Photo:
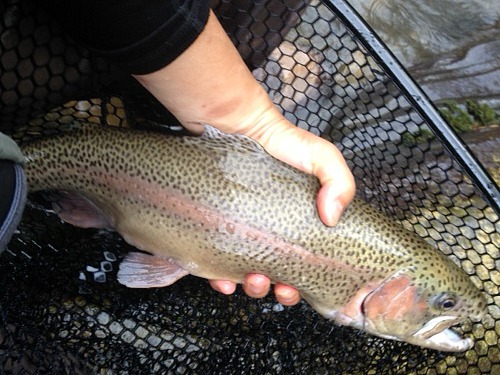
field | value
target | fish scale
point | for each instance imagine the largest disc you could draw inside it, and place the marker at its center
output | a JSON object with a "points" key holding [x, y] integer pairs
{"points": [[219, 207]]}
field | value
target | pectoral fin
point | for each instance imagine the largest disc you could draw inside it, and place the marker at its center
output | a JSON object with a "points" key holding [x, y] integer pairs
{"points": [[78, 210], [139, 270]]}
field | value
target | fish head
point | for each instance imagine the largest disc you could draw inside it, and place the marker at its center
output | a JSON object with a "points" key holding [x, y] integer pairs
{"points": [[419, 308]]}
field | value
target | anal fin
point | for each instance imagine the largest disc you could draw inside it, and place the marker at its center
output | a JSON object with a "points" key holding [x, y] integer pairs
{"points": [[140, 270]]}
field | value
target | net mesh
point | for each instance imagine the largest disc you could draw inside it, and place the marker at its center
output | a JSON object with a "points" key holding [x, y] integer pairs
{"points": [[61, 309]]}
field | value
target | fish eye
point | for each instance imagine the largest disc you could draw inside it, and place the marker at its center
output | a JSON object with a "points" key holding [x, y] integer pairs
{"points": [[445, 301]]}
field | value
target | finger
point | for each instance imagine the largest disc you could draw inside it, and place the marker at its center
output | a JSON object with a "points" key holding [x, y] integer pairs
{"points": [[223, 286], [256, 285], [286, 294], [312, 154]]}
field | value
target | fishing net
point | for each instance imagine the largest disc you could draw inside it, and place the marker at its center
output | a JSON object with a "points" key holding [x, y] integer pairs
{"points": [[61, 309]]}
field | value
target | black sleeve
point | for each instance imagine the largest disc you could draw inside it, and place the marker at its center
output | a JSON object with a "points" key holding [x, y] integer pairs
{"points": [[140, 36]]}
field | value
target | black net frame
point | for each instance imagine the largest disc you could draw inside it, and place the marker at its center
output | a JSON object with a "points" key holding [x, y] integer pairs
{"points": [[329, 73]]}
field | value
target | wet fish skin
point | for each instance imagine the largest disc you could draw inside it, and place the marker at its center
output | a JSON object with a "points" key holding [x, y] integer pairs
{"points": [[219, 207]]}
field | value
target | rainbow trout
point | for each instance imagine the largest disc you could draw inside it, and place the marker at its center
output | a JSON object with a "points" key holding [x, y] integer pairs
{"points": [[219, 207]]}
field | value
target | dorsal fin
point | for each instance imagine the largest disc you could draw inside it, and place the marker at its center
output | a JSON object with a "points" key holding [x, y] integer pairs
{"points": [[232, 140]]}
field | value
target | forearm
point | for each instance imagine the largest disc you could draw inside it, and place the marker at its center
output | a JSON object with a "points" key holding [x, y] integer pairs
{"points": [[210, 84]]}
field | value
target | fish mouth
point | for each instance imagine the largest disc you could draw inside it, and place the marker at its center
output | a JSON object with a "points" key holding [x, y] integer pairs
{"points": [[436, 334]]}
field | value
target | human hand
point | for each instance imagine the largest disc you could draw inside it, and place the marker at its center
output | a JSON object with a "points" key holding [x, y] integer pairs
{"points": [[210, 84]]}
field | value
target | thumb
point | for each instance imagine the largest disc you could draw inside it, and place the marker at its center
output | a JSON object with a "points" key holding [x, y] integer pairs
{"points": [[312, 154]]}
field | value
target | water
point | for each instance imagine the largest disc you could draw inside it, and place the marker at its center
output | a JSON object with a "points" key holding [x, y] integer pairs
{"points": [[450, 47]]}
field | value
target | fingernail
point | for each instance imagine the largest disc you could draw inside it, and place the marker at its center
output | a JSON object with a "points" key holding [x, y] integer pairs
{"points": [[286, 296], [226, 287], [334, 211], [253, 288], [255, 285]]}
